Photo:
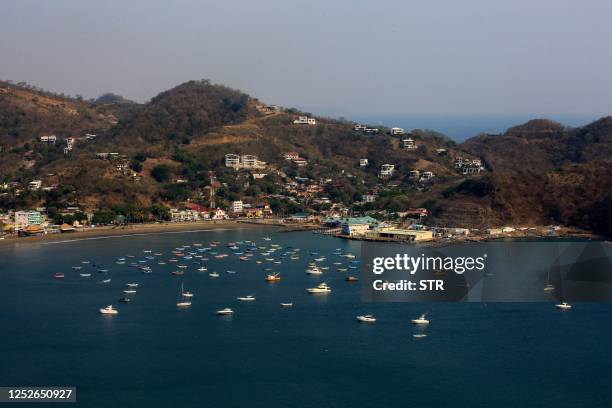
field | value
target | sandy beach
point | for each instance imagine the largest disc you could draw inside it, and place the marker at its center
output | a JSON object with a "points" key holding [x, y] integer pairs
{"points": [[133, 229]]}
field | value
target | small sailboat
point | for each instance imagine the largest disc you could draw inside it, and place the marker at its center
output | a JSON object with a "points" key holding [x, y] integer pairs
{"points": [[188, 294], [273, 277], [109, 310], [422, 319], [105, 280], [214, 274], [367, 318], [183, 301], [226, 311]]}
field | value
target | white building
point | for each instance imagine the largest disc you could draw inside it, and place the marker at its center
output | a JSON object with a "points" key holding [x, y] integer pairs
{"points": [[427, 175], [232, 160], [25, 218], [368, 198], [48, 139], [386, 170], [359, 128], [237, 206], [69, 145], [408, 144], [363, 162], [304, 120], [397, 131], [35, 184], [414, 174]]}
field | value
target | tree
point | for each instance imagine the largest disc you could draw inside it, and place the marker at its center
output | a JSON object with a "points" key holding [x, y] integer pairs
{"points": [[161, 173]]}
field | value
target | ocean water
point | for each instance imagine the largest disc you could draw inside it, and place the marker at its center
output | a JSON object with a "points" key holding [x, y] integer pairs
{"points": [[312, 355], [462, 127]]}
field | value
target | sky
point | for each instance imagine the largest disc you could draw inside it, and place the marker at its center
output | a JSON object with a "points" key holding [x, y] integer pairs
{"points": [[338, 58]]}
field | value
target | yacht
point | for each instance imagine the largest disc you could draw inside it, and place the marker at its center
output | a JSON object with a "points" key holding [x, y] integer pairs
{"points": [[366, 318], [420, 320], [314, 271], [248, 298], [226, 311], [109, 310], [322, 288], [563, 306]]}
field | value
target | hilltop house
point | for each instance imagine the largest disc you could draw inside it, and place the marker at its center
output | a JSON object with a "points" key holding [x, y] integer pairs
{"points": [[304, 120], [397, 131], [359, 128], [468, 166], [386, 170]]}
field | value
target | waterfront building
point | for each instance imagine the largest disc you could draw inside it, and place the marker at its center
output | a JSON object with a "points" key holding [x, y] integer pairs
{"points": [[25, 218], [357, 225]]}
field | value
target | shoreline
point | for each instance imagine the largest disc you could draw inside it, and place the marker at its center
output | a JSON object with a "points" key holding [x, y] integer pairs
{"points": [[135, 229]]}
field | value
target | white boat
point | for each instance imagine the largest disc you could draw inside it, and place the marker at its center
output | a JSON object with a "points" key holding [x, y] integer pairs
{"points": [[287, 304], [188, 294], [183, 301], [105, 281], [109, 310], [563, 306], [129, 291], [322, 288], [226, 311], [248, 298], [366, 318], [267, 239], [131, 285], [420, 320], [549, 288], [419, 335], [85, 275], [202, 269], [314, 271], [213, 275]]}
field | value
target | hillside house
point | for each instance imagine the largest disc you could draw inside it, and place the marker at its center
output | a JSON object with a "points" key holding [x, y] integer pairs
{"points": [[363, 162], [35, 184], [414, 174], [386, 170], [51, 139], [359, 128], [427, 175], [368, 198], [397, 131], [247, 161], [408, 144]]}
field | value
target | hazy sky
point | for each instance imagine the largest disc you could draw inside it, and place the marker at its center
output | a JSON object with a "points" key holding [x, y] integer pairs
{"points": [[352, 57]]}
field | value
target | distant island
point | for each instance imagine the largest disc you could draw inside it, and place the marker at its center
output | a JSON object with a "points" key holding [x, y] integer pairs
{"points": [[206, 151]]}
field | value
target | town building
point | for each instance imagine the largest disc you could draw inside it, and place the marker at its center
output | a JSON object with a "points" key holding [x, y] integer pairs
{"points": [[237, 206], [25, 218], [357, 225]]}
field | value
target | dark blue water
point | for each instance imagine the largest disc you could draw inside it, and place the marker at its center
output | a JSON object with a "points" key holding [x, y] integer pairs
{"points": [[313, 355], [461, 127]]}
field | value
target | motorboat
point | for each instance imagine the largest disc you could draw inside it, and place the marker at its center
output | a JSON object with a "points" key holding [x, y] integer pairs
{"points": [[109, 310], [202, 269], [323, 288], [287, 304], [105, 281], [248, 298], [563, 306], [314, 271], [420, 320], [419, 335], [226, 311], [214, 274], [131, 285], [85, 275], [128, 291], [366, 318], [58, 275]]}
